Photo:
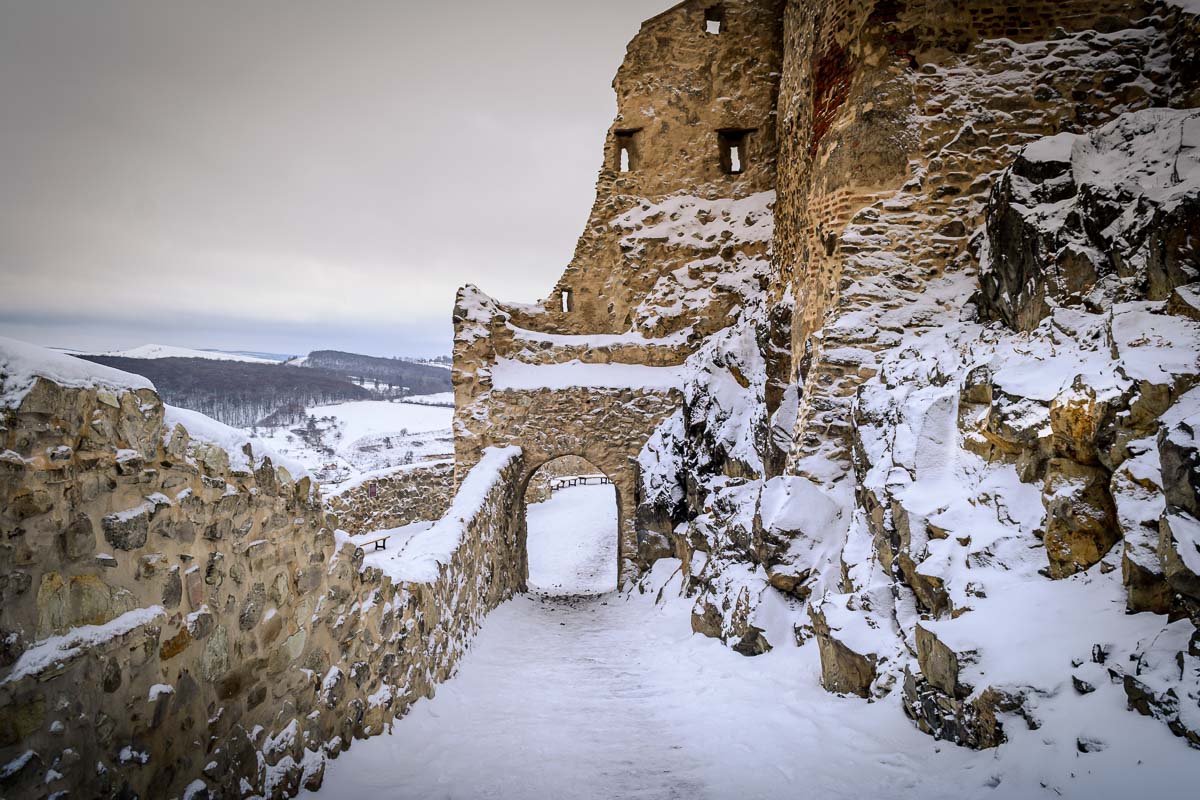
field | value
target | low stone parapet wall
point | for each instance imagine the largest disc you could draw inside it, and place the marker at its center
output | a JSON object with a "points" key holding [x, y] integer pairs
{"points": [[394, 497], [178, 617]]}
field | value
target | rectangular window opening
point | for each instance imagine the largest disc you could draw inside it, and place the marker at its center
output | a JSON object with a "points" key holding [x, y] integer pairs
{"points": [[713, 17], [732, 143], [626, 150], [566, 300]]}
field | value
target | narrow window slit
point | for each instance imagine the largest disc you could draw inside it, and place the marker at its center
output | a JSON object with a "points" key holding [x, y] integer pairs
{"points": [[732, 144], [566, 300], [713, 17]]}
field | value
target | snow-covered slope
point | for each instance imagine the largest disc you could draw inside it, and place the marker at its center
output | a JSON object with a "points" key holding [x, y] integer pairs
{"points": [[342, 441], [170, 351]]}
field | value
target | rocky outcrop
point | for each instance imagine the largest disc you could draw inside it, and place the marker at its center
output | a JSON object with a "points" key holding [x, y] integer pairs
{"points": [[1090, 219]]}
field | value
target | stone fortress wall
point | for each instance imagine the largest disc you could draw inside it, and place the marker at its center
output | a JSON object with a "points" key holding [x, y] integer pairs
{"points": [[856, 78], [406, 494], [177, 619], [899, 125], [677, 241]]}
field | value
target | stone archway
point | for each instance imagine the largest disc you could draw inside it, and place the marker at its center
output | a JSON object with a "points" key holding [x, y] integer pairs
{"points": [[606, 427], [519, 381]]}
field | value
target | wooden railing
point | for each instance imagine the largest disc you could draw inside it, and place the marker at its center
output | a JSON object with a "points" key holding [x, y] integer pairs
{"points": [[578, 480]]}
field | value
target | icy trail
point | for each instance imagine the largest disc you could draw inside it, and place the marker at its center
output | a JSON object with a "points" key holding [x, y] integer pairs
{"points": [[609, 697]]}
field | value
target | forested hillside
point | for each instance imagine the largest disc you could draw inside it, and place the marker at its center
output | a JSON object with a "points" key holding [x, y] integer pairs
{"points": [[235, 392], [392, 376]]}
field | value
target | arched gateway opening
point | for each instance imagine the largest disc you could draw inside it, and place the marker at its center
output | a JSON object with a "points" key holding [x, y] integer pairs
{"points": [[571, 523]]}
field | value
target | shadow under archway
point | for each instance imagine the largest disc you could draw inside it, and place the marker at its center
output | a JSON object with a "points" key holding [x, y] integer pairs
{"points": [[572, 542]]}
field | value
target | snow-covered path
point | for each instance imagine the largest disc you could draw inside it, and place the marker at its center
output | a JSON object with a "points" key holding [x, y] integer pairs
{"points": [[611, 696], [573, 541]]}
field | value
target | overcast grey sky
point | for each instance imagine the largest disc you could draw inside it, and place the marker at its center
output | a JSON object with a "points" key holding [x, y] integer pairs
{"points": [[291, 175]]}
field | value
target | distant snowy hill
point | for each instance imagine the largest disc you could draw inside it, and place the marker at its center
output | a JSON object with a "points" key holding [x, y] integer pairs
{"points": [[389, 377], [170, 351], [237, 392]]}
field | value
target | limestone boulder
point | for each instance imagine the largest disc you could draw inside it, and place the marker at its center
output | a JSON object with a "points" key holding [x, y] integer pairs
{"points": [[942, 664], [1179, 551], [845, 667], [1081, 519], [972, 723], [1179, 457], [1139, 500]]}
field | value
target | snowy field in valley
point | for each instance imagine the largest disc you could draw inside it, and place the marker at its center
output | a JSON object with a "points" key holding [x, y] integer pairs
{"points": [[573, 696], [345, 440]]}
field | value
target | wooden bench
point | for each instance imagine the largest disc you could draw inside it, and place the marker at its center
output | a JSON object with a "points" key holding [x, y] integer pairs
{"points": [[380, 543]]}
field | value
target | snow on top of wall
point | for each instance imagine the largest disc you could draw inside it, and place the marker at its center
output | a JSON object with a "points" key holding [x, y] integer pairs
{"points": [[512, 374], [476, 310], [232, 440], [59, 649], [428, 550], [703, 224], [599, 339], [169, 351], [386, 472], [21, 364]]}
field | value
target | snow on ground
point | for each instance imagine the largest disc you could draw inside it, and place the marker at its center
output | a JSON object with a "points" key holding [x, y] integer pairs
{"points": [[572, 541], [349, 439], [435, 399], [169, 351], [611, 696]]}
